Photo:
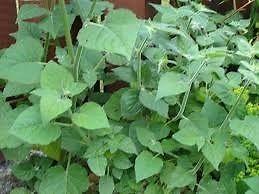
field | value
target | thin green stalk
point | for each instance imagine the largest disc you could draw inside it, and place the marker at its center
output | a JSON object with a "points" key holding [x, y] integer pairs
{"points": [[64, 124], [47, 41], [139, 72], [67, 30], [76, 65], [67, 168], [46, 48], [186, 95], [234, 107], [77, 62], [237, 10], [89, 16]]}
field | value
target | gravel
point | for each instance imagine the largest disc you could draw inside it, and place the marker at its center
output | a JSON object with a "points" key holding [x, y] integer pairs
{"points": [[7, 181]]}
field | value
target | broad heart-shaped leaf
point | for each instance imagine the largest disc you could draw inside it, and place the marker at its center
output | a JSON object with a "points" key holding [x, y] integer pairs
{"points": [[117, 34], [54, 24], [113, 107], [147, 165], [147, 138], [57, 181], [172, 83], [29, 11], [25, 50], [85, 8], [247, 128], [106, 185], [24, 171], [58, 78], [29, 128], [97, 165], [121, 161], [20, 190], [15, 89], [52, 106], [176, 176], [7, 117], [53, 150], [214, 112], [22, 59], [123, 143], [153, 189], [194, 130], [91, 116], [149, 101], [24, 73], [253, 183], [215, 149], [130, 105]]}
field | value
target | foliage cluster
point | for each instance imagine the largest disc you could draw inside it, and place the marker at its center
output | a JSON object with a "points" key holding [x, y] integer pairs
{"points": [[187, 120]]}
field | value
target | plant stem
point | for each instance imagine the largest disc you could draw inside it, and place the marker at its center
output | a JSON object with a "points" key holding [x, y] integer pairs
{"points": [[186, 95], [46, 48], [139, 72], [79, 52], [67, 30], [67, 168], [237, 10], [234, 107], [89, 16]]}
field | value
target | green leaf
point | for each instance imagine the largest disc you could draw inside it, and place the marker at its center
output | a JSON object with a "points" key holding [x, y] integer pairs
{"points": [[147, 138], [58, 78], [7, 118], [194, 130], [146, 165], [71, 140], [24, 171], [247, 128], [121, 161], [185, 46], [15, 89], [91, 116], [215, 113], [171, 84], [113, 107], [106, 185], [176, 177], [224, 92], [57, 181], [22, 59], [153, 189], [29, 11], [90, 78], [123, 143], [97, 165], [85, 8], [17, 154], [20, 71], [53, 150], [253, 183], [20, 190], [52, 106], [215, 149], [117, 34], [29, 128], [54, 24], [130, 105], [125, 74], [149, 101]]}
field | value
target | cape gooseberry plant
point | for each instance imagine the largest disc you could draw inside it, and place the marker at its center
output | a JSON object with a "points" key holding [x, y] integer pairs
{"points": [[187, 120]]}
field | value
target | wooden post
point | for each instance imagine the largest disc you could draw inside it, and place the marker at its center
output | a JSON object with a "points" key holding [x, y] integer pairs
{"points": [[7, 22], [140, 7]]}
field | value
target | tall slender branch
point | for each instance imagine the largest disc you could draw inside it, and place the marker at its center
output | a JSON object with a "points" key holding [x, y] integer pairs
{"points": [[67, 30]]}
